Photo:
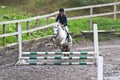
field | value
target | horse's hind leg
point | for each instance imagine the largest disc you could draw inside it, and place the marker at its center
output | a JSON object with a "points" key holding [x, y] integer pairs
{"points": [[65, 49]]}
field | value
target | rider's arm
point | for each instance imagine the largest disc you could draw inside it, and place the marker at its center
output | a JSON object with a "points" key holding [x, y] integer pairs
{"points": [[57, 18], [65, 21]]}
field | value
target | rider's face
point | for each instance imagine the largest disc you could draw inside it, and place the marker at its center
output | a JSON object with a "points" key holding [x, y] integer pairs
{"points": [[61, 13]]}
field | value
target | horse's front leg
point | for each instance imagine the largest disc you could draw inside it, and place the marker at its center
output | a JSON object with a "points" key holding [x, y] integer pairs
{"points": [[62, 42]]}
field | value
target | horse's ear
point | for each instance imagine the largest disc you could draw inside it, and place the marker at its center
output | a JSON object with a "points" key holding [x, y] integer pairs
{"points": [[56, 23]]}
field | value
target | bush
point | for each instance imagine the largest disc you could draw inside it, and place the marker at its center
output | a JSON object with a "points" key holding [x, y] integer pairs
{"points": [[13, 2]]}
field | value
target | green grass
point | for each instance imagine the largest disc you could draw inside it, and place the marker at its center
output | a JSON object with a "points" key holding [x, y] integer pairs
{"points": [[6, 11], [36, 7], [75, 26], [103, 23], [19, 10], [107, 23]]}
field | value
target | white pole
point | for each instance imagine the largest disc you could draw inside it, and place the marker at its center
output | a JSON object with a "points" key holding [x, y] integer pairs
{"points": [[99, 60], [96, 48], [20, 41], [100, 68]]}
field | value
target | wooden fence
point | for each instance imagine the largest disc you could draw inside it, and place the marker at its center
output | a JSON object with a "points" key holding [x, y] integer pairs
{"points": [[47, 16]]}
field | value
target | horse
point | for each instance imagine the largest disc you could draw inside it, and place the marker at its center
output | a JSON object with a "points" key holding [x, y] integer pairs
{"points": [[61, 40]]}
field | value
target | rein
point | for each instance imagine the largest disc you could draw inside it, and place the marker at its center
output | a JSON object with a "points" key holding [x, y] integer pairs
{"points": [[57, 33]]}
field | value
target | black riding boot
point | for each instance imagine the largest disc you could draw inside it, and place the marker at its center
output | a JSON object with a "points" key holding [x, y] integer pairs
{"points": [[68, 37]]}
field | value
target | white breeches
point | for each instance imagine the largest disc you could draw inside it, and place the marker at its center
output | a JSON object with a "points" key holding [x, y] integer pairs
{"points": [[66, 28]]}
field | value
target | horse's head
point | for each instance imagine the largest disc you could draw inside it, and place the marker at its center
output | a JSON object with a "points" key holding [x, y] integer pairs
{"points": [[56, 27]]}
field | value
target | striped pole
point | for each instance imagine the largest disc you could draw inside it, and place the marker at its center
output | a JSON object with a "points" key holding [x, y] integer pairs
{"points": [[60, 63], [57, 57], [58, 53]]}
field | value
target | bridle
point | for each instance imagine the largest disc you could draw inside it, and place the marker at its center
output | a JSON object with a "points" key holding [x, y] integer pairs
{"points": [[57, 26]]}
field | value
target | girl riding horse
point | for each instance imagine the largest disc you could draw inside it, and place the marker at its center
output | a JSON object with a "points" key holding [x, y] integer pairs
{"points": [[62, 19], [61, 40]]}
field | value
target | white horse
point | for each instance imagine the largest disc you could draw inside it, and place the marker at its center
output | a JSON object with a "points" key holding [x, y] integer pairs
{"points": [[61, 40]]}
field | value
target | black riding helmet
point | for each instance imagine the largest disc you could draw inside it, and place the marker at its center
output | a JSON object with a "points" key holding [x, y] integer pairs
{"points": [[61, 10]]}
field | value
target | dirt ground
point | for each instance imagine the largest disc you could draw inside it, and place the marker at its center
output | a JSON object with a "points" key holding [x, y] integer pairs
{"points": [[110, 50]]}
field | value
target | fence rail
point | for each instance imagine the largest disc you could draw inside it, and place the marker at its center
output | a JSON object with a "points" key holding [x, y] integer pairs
{"points": [[54, 13], [37, 18]]}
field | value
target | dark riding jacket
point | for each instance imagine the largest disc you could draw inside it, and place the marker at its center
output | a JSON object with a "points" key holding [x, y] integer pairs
{"points": [[62, 19]]}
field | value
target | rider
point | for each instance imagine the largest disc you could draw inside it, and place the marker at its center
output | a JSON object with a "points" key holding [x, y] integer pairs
{"points": [[62, 19]]}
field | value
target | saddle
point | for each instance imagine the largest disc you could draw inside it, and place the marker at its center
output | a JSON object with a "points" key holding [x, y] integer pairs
{"points": [[68, 35]]}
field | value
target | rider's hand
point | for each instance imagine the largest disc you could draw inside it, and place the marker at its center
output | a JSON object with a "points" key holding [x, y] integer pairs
{"points": [[62, 25], [63, 28]]}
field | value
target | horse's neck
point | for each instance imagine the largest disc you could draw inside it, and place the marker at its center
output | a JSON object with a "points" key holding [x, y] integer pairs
{"points": [[61, 30], [62, 33]]}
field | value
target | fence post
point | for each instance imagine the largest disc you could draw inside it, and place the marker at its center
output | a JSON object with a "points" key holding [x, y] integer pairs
{"points": [[37, 23], [27, 27], [91, 13], [16, 29], [47, 20], [115, 9], [4, 38]]}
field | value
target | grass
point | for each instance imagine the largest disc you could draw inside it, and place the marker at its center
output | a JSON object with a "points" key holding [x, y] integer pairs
{"points": [[107, 23], [40, 7], [19, 10], [75, 26], [6, 11], [104, 23]]}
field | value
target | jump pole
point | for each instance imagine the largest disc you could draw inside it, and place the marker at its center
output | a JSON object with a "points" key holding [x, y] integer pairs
{"points": [[20, 40], [20, 60], [96, 47], [99, 59]]}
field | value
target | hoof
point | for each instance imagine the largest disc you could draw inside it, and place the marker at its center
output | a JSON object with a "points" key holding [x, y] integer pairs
{"points": [[66, 54]]}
